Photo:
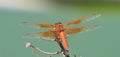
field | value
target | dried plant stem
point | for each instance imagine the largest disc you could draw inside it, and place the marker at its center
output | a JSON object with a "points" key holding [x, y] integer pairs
{"points": [[29, 45], [63, 50]]}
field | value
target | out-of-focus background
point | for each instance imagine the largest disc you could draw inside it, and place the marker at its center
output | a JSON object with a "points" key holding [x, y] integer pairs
{"points": [[103, 42]]}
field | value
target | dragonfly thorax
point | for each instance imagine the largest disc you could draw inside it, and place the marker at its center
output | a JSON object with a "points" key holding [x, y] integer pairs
{"points": [[59, 26]]}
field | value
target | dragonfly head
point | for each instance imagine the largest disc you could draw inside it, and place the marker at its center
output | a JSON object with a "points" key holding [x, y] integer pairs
{"points": [[58, 23]]}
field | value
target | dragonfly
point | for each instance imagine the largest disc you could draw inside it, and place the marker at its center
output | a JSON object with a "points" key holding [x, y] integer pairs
{"points": [[60, 31]]}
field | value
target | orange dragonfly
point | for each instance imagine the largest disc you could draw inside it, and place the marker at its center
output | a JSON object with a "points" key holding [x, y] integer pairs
{"points": [[60, 31]]}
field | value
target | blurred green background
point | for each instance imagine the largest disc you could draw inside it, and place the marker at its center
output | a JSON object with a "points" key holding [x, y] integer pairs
{"points": [[103, 42]]}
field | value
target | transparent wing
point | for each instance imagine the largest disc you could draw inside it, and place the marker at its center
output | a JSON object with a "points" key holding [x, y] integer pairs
{"points": [[41, 25], [92, 16], [77, 30], [47, 34]]}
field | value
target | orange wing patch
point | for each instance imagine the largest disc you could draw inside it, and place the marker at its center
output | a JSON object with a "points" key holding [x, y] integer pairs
{"points": [[47, 34], [80, 20], [76, 30], [41, 25]]}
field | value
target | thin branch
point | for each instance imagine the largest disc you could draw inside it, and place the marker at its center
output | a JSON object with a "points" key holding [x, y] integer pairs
{"points": [[63, 50], [29, 45]]}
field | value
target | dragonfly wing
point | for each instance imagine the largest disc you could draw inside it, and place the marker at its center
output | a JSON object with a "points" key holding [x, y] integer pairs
{"points": [[47, 34], [77, 30], [41, 25], [92, 16]]}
